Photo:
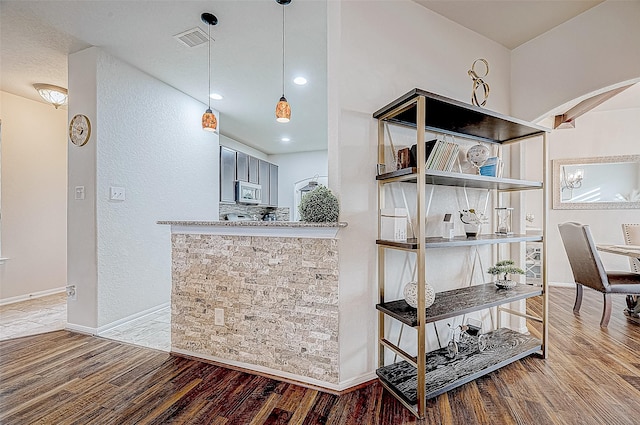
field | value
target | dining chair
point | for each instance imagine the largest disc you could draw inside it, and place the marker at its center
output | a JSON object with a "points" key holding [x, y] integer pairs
{"points": [[632, 237], [588, 270]]}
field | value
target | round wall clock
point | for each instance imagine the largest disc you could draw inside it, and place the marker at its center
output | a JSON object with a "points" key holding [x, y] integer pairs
{"points": [[79, 130]]}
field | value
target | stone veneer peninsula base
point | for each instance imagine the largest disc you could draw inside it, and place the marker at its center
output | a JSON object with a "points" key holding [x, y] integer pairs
{"points": [[277, 285]]}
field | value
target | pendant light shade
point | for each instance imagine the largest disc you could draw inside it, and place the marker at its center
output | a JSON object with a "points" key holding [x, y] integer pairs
{"points": [[209, 121], [283, 109]]}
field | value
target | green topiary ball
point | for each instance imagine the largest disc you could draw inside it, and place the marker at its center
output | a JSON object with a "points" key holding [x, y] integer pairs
{"points": [[319, 206]]}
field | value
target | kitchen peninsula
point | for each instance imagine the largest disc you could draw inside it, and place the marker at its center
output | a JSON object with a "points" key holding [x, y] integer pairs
{"points": [[258, 295]]}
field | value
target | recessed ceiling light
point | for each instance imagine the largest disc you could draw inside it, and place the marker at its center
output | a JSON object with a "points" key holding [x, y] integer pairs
{"points": [[301, 81], [216, 96], [286, 139]]}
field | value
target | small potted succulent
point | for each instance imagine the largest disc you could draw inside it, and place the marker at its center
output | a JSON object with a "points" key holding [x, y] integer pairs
{"points": [[503, 269]]}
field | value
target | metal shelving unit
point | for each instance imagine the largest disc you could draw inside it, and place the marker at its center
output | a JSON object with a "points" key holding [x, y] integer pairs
{"points": [[430, 373]]}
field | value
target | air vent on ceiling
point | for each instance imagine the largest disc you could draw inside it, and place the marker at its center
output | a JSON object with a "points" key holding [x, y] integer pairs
{"points": [[192, 38]]}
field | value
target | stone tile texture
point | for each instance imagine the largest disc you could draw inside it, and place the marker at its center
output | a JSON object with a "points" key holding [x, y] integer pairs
{"points": [[279, 295]]}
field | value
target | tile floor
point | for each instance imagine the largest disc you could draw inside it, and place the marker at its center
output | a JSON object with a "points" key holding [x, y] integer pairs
{"points": [[152, 330], [49, 313], [32, 317]]}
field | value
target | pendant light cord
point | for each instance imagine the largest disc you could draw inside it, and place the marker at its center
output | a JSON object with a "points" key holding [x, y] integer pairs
{"points": [[209, 68], [283, 6]]}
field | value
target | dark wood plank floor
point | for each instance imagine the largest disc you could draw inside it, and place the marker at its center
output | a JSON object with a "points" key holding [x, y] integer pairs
{"points": [[592, 376]]}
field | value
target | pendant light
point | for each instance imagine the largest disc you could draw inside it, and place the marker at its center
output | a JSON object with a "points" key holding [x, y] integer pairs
{"points": [[283, 110], [209, 121]]}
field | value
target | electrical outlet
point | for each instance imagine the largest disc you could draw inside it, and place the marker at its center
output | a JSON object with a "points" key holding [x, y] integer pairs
{"points": [[218, 317], [71, 292], [116, 193]]}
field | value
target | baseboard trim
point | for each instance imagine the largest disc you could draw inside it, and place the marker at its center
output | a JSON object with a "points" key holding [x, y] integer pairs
{"points": [[132, 318], [32, 296], [303, 381], [562, 284], [81, 329]]}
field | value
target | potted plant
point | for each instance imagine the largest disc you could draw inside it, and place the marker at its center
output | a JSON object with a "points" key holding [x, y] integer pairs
{"points": [[319, 206], [503, 269], [472, 221]]}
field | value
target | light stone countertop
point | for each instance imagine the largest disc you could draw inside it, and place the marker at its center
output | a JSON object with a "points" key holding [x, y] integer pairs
{"points": [[295, 229], [254, 223]]}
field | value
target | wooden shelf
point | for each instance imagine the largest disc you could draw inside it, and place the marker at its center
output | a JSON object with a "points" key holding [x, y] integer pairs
{"points": [[450, 116], [472, 181], [459, 301], [444, 374], [428, 112], [437, 242]]}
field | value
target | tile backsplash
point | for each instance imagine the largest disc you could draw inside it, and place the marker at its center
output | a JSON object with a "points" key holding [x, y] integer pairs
{"points": [[282, 213]]}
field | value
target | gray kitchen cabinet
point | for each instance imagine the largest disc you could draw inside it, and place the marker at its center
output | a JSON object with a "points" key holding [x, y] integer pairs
{"points": [[227, 175], [263, 180], [253, 170], [242, 166], [273, 185]]}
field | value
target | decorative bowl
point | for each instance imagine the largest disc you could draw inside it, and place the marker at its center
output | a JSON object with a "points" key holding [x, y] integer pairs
{"points": [[505, 284]]}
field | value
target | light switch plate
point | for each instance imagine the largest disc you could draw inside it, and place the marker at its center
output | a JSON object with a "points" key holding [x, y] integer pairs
{"points": [[116, 193], [79, 193]]}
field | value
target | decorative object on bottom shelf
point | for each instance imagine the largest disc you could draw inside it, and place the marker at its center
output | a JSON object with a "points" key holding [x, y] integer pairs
{"points": [[472, 221], [503, 269], [411, 294], [319, 206]]}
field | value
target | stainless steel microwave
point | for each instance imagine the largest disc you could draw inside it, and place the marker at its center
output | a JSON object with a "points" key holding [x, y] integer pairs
{"points": [[248, 193]]}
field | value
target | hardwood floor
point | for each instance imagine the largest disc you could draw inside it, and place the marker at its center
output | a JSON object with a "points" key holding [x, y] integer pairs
{"points": [[592, 376]]}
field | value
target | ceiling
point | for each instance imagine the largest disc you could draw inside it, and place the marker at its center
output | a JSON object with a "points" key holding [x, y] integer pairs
{"points": [[509, 22], [37, 36]]}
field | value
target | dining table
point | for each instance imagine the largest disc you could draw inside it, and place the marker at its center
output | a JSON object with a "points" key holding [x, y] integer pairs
{"points": [[633, 306]]}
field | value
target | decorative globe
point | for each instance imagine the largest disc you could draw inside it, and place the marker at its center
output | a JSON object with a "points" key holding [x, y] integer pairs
{"points": [[478, 155], [411, 294]]}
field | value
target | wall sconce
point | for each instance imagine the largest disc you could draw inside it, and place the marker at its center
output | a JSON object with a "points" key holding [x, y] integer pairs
{"points": [[572, 180], [55, 95]]}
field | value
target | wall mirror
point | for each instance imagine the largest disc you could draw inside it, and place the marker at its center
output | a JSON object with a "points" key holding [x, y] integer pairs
{"points": [[608, 182]]}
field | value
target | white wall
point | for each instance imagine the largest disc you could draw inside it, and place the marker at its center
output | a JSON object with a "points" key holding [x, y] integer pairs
{"points": [[34, 179], [149, 140], [606, 133], [377, 52], [293, 168], [591, 53], [594, 50]]}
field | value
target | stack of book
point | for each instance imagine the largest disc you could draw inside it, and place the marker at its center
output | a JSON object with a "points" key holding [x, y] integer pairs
{"points": [[441, 155]]}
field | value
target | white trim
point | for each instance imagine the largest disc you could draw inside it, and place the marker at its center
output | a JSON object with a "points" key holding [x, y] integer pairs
{"points": [[352, 382], [32, 296], [562, 284], [80, 329], [131, 318]]}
